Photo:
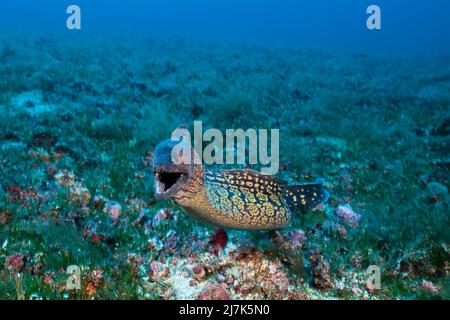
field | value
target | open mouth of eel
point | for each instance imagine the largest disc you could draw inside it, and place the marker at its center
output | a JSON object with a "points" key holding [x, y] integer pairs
{"points": [[168, 180]]}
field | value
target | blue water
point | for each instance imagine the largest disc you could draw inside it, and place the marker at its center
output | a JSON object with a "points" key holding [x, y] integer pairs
{"points": [[408, 27]]}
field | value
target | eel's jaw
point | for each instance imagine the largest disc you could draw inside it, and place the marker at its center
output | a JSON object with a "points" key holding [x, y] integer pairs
{"points": [[169, 180]]}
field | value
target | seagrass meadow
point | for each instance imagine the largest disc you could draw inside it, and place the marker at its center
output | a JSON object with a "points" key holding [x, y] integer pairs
{"points": [[79, 120]]}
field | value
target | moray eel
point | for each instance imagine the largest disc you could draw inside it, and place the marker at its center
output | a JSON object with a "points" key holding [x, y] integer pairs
{"points": [[234, 199]]}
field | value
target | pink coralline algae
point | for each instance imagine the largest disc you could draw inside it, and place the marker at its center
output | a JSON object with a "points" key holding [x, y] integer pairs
{"points": [[49, 278], [15, 263], [158, 270], [213, 292], [430, 287], [90, 233], [346, 213], [135, 261], [171, 242], [199, 272], [291, 240], [160, 216], [114, 210], [339, 230], [97, 277], [163, 215]]}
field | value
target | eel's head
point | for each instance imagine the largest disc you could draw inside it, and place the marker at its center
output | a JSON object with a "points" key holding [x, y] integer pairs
{"points": [[172, 169]]}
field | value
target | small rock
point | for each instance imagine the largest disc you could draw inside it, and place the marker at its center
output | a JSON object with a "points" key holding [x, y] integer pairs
{"points": [[113, 209], [321, 271], [349, 216]]}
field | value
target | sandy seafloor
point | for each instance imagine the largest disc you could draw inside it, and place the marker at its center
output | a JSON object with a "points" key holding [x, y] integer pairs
{"points": [[78, 122]]}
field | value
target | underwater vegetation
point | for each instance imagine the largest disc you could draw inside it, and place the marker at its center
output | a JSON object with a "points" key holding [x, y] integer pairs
{"points": [[78, 123]]}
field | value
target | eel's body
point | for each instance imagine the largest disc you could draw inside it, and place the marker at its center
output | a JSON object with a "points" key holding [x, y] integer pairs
{"points": [[236, 199]]}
